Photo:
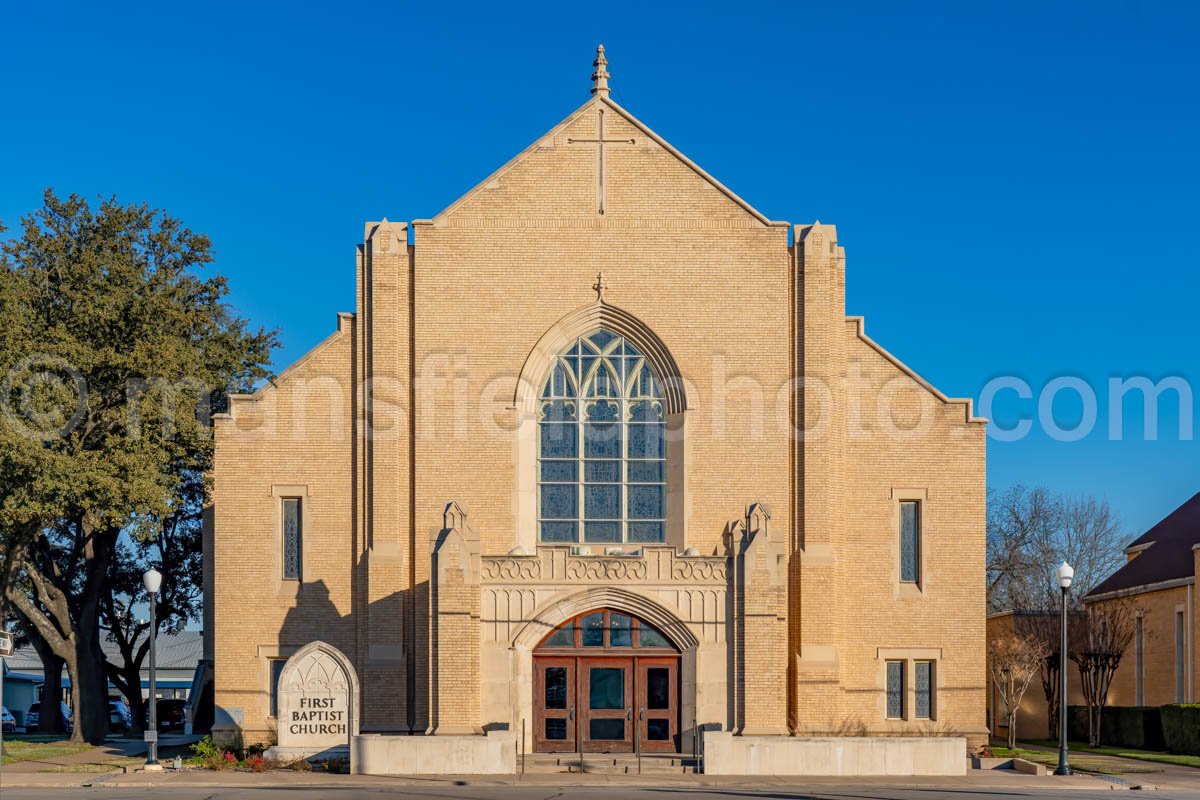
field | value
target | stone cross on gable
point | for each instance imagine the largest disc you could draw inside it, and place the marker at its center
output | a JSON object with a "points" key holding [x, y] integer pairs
{"points": [[599, 286], [600, 141]]}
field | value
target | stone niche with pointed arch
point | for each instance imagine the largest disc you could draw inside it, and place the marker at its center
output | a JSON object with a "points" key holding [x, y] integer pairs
{"points": [[318, 703]]}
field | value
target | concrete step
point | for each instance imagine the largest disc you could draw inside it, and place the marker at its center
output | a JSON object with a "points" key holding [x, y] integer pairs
{"points": [[610, 763]]}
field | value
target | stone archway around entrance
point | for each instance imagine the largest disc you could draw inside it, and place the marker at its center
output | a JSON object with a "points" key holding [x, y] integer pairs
{"points": [[318, 703], [606, 682], [525, 597], [634, 603]]}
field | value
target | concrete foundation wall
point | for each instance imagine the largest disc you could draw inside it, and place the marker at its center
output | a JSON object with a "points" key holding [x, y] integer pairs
{"points": [[493, 754], [726, 754]]}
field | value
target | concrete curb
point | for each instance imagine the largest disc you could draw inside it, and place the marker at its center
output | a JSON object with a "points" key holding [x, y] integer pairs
{"points": [[998, 780]]}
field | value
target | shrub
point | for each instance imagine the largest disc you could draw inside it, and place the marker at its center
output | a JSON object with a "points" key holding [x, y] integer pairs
{"points": [[300, 765], [256, 763], [204, 753], [1139, 727], [1181, 728]]}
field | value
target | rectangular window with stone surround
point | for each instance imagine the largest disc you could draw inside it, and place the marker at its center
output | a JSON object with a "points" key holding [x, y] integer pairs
{"points": [[276, 672], [292, 517], [895, 690], [1180, 647], [923, 689], [1139, 675], [910, 541]]}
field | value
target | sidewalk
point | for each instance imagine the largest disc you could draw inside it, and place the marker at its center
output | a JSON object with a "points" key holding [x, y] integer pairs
{"points": [[282, 779], [1165, 776], [84, 765]]}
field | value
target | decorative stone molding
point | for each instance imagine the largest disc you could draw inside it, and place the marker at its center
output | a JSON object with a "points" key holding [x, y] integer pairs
{"points": [[507, 569], [515, 589], [630, 602], [700, 570], [606, 569], [582, 321], [655, 565]]}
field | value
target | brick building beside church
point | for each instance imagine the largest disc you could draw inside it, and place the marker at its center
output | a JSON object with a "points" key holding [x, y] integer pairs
{"points": [[688, 492]]}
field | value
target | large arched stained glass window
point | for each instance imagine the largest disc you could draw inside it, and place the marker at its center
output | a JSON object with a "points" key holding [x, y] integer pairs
{"points": [[601, 446]]}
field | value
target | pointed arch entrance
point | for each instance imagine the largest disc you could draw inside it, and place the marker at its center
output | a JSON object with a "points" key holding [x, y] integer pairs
{"points": [[606, 681]]}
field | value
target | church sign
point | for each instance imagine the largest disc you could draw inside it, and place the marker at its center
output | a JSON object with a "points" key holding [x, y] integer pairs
{"points": [[317, 698]]}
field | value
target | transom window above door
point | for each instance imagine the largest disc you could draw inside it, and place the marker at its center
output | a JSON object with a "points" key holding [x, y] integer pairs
{"points": [[603, 629], [601, 446]]}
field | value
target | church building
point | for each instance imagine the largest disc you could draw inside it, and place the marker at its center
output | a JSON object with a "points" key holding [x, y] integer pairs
{"points": [[600, 465]]}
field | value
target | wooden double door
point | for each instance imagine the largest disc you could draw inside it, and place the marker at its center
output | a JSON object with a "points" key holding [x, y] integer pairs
{"points": [[602, 704]]}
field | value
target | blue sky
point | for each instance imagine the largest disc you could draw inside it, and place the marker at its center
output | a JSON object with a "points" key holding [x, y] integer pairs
{"points": [[1015, 183]]}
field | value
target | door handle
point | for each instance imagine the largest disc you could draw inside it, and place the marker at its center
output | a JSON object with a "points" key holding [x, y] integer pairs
{"points": [[629, 713], [642, 713], [571, 713]]}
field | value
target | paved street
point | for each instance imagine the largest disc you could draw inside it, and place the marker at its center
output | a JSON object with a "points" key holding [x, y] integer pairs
{"points": [[574, 793]]}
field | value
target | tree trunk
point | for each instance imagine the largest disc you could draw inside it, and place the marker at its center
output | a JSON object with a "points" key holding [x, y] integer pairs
{"points": [[50, 719], [89, 685], [128, 679], [68, 618], [1012, 730], [1050, 684]]}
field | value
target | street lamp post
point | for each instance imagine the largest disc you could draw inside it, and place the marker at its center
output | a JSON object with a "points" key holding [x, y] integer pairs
{"points": [[152, 580], [1064, 573]]}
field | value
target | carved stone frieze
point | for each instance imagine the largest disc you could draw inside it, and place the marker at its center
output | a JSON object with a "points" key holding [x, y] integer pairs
{"points": [[653, 566]]}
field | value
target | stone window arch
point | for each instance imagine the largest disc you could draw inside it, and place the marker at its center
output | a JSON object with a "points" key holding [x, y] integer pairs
{"points": [[601, 360], [602, 446]]}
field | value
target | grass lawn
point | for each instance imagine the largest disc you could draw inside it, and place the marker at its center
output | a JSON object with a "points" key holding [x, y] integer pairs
{"points": [[35, 748], [99, 765], [1084, 763], [1126, 752]]}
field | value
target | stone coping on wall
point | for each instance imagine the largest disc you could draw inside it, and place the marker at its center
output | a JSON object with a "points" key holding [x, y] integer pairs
{"points": [[726, 754]]}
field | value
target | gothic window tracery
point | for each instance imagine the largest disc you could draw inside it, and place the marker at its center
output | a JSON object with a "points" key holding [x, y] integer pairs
{"points": [[601, 446]]}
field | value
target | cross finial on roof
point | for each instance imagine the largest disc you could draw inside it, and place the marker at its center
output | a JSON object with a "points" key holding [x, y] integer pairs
{"points": [[600, 286], [600, 76]]}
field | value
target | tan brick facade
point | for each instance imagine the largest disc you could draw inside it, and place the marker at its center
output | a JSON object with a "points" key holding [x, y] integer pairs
{"points": [[409, 436]]}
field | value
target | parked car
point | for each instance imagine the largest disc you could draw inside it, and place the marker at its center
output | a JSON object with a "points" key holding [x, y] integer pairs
{"points": [[8, 723], [119, 716], [34, 714], [172, 713]]}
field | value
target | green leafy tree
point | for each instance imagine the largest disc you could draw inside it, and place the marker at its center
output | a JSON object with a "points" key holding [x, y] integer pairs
{"points": [[175, 551], [113, 354]]}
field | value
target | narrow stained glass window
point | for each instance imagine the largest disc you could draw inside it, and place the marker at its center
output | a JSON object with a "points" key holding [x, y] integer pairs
{"points": [[277, 665], [923, 689], [895, 689], [910, 542], [602, 446], [291, 538]]}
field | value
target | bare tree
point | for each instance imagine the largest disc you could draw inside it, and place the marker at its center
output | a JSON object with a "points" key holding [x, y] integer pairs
{"points": [[1092, 540], [1030, 531], [1013, 662], [1101, 634], [1017, 518]]}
